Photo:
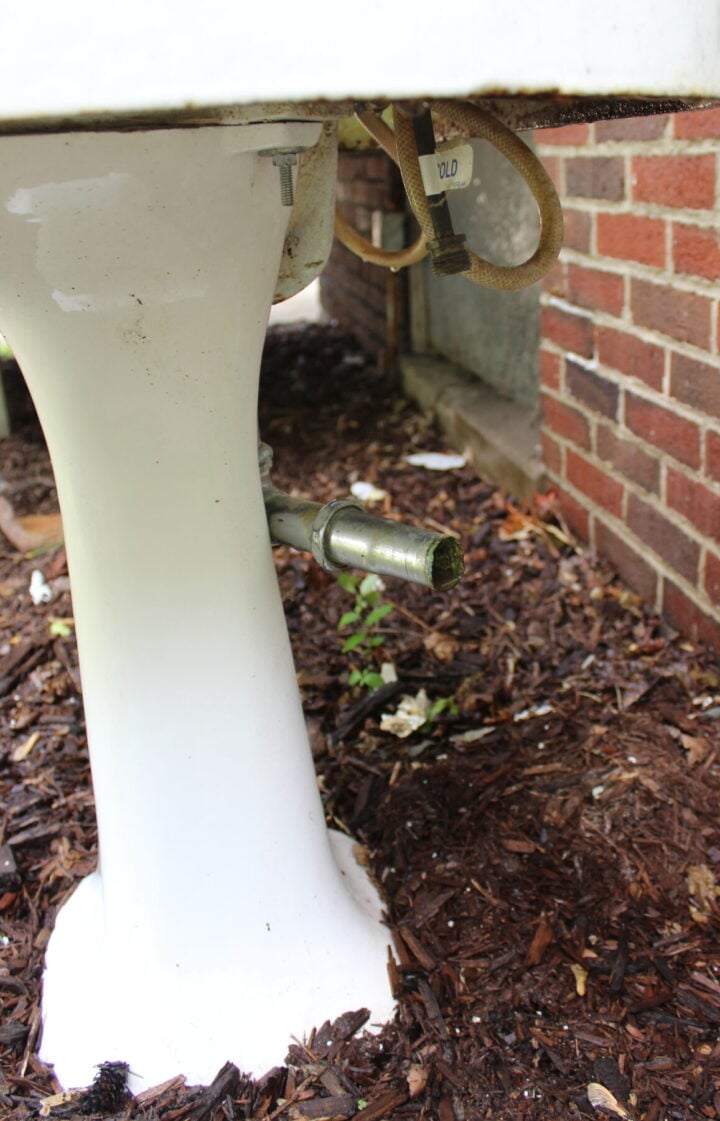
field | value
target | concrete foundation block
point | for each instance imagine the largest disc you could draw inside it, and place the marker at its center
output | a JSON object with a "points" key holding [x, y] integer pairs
{"points": [[500, 436]]}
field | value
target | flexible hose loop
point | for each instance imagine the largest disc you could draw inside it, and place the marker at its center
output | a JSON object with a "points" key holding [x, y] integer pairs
{"points": [[472, 121], [360, 246], [366, 251]]}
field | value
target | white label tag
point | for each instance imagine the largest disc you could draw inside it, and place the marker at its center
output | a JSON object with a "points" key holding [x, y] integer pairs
{"points": [[430, 174], [448, 169]]}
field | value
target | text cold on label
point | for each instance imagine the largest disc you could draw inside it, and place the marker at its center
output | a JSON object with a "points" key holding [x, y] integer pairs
{"points": [[448, 169]]}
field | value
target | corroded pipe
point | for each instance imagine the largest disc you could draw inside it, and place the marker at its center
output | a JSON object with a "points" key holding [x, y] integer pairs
{"points": [[342, 534]]}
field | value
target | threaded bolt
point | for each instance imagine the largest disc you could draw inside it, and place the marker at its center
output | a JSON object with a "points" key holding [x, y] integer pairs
{"points": [[285, 159], [287, 194]]}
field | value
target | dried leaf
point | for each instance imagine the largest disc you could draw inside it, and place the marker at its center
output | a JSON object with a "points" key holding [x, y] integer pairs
{"points": [[546, 503], [34, 531], [697, 748], [47, 1105], [581, 976], [367, 492], [316, 736], [443, 646], [417, 1077], [474, 735], [542, 938], [602, 1098], [23, 750], [411, 714], [517, 526], [703, 890], [557, 533], [652, 785], [512, 844], [544, 708], [388, 673], [633, 693], [436, 461]]}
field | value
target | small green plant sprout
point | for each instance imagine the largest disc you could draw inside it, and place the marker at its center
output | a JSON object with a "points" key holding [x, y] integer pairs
{"points": [[442, 704], [368, 610], [60, 628]]}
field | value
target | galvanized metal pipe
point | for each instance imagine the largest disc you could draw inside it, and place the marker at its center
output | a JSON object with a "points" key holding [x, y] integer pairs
{"points": [[342, 534]]}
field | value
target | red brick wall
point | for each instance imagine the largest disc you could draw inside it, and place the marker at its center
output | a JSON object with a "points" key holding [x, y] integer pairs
{"points": [[357, 294], [630, 355]]}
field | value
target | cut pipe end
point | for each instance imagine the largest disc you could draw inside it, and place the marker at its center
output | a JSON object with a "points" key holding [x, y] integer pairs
{"points": [[343, 534], [347, 536], [447, 564]]}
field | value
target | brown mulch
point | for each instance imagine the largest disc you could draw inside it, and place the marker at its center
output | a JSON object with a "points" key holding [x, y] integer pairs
{"points": [[548, 847]]}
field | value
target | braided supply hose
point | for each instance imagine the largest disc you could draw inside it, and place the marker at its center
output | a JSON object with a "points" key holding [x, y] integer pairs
{"points": [[390, 258], [360, 246], [472, 121]]}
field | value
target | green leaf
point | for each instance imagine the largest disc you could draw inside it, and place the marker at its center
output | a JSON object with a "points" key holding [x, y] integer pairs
{"points": [[354, 641], [376, 640], [373, 681], [377, 614], [59, 628], [347, 581], [39, 552], [355, 678], [348, 618], [441, 705]]}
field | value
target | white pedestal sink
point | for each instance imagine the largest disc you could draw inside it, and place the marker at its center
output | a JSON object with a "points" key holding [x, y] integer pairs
{"points": [[137, 270], [137, 274]]}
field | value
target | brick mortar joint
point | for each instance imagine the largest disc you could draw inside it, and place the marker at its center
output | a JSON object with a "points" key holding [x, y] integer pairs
{"points": [[562, 397], [644, 334], [695, 475], [615, 266], [656, 502], [706, 216], [581, 499], [612, 377], [625, 266], [660, 147], [620, 431], [562, 150], [691, 531], [549, 299], [666, 401], [694, 592]]}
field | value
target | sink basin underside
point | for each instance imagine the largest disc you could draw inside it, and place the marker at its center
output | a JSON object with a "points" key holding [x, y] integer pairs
{"points": [[138, 64]]}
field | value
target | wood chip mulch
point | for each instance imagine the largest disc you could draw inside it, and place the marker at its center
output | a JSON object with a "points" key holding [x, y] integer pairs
{"points": [[548, 845]]}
